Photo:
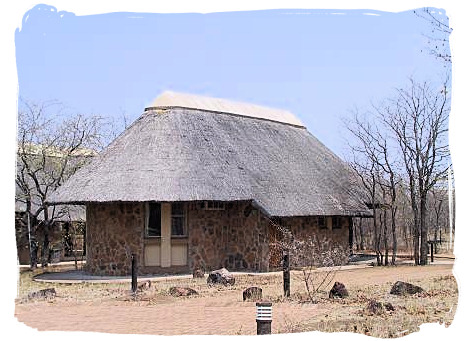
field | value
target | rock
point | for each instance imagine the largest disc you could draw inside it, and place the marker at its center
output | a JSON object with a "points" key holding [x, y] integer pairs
{"points": [[403, 288], [221, 276], [145, 285], [198, 273], [377, 308], [338, 290], [374, 307], [252, 294], [182, 291], [44, 293], [388, 306]]}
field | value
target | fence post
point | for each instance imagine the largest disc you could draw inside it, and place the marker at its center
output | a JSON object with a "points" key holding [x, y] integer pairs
{"points": [[263, 318], [134, 273], [286, 271]]}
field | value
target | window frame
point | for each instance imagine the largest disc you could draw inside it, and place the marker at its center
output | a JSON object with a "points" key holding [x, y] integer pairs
{"points": [[213, 205], [184, 220], [147, 219], [336, 226], [324, 225]]}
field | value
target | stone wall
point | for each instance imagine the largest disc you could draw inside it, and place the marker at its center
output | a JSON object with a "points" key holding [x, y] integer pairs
{"points": [[114, 232], [303, 227], [235, 238]]}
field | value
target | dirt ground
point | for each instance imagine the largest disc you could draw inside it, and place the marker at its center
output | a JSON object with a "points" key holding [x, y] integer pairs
{"points": [[220, 310]]}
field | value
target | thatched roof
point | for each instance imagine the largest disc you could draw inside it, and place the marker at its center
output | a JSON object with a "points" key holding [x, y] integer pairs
{"points": [[175, 153]]}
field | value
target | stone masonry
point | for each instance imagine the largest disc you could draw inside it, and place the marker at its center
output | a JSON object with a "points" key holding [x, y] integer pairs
{"points": [[237, 237], [114, 233]]}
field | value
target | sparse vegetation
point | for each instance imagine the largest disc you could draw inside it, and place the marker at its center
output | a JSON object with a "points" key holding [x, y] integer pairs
{"points": [[291, 314]]}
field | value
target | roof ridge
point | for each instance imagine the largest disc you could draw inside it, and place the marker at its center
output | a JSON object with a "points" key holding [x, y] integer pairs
{"points": [[147, 109], [170, 99]]}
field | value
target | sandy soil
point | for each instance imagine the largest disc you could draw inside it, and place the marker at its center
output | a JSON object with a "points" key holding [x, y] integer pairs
{"points": [[222, 313]]}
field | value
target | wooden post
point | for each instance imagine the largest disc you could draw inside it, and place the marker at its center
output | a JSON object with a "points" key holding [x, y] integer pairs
{"points": [[134, 273], [431, 252], [286, 271]]}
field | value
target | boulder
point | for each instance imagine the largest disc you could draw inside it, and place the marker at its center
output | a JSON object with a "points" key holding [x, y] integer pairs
{"points": [[221, 276], [403, 288], [182, 291], [198, 273], [338, 290], [252, 294], [44, 293]]}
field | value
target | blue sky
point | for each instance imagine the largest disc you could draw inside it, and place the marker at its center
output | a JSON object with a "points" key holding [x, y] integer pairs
{"points": [[319, 64], [105, 64]]}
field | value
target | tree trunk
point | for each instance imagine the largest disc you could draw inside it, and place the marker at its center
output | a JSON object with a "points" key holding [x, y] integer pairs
{"points": [[46, 239], [394, 237], [424, 248], [416, 231], [32, 237], [361, 235], [376, 238], [385, 236]]}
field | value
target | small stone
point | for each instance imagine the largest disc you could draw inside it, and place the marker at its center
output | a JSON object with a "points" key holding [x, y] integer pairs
{"points": [[198, 273], [338, 290], [374, 307], [145, 285], [182, 291], [252, 294], [389, 307], [221, 276], [44, 293], [403, 288]]}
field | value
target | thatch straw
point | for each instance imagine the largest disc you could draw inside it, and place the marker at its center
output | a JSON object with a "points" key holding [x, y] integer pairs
{"points": [[179, 154]]}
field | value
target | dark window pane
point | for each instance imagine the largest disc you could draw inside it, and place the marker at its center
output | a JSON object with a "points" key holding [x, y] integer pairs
{"points": [[154, 220], [177, 208], [177, 226]]}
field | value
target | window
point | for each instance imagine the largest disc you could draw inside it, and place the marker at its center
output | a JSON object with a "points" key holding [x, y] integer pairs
{"points": [[154, 219], [213, 205], [178, 219], [336, 223], [322, 223]]}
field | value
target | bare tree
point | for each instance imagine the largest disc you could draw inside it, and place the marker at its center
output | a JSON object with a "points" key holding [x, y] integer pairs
{"points": [[51, 147], [438, 35], [376, 169], [418, 117]]}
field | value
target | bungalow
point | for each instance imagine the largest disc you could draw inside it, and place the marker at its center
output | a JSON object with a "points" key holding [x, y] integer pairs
{"points": [[195, 182]]}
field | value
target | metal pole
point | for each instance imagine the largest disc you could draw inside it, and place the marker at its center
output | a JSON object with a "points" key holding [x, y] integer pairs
{"points": [[263, 318], [286, 271], [134, 273]]}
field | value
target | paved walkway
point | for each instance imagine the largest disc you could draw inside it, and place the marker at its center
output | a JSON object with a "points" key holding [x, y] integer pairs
{"points": [[79, 276]]}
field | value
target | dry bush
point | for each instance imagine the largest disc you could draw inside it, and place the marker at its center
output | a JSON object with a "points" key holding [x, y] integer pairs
{"points": [[319, 259]]}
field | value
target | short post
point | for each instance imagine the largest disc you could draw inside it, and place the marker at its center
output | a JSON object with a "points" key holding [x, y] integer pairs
{"points": [[134, 273], [263, 318], [431, 252], [286, 271]]}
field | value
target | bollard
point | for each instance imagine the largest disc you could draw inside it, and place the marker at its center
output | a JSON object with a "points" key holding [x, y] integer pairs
{"points": [[431, 252], [286, 271], [263, 318], [134, 273]]}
